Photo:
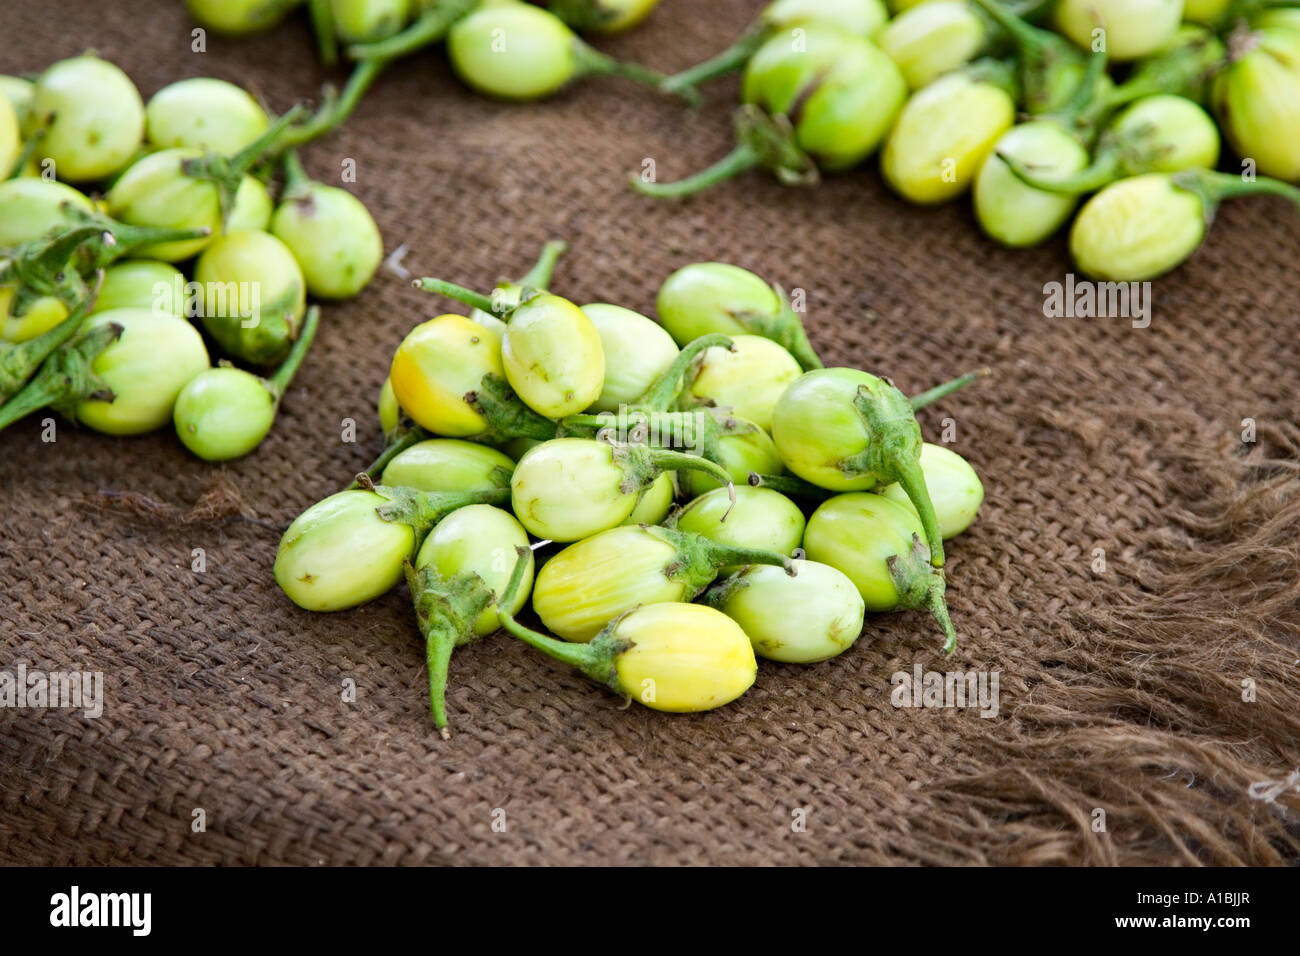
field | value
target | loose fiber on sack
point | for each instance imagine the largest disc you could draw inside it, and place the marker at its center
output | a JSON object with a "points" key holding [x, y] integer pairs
{"points": [[1120, 690]]}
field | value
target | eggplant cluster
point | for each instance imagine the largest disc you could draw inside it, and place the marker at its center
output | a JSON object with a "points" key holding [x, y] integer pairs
{"points": [[137, 239], [505, 49], [1111, 109], [1108, 113], [677, 495]]}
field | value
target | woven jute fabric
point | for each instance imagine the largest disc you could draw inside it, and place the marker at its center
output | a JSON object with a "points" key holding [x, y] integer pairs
{"points": [[1132, 578]]}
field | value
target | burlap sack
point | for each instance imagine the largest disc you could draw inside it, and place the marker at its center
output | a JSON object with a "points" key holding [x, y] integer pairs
{"points": [[1132, 577]]}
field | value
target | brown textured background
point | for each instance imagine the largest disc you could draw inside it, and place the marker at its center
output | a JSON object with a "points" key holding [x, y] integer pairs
{"points": [[1120, 690]]}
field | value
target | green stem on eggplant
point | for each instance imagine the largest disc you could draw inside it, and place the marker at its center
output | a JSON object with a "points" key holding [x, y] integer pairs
{"points": [[703, 552], [595, 658], [327, 38], [428, 28], [540, 275], [506, 414], [663, 459], [664, 390], [405, 438], [893, 453], [65, 378], [337, 107], [697, 430], [27, 152], [227, 172], [440, 641], [740, 160], [912, 480], [790, 486], [762, 141], [296, 180], [591, 62], [44, 267], [1106, 167], [1214, 187], [785, 328], [120, 239], [1083, 112], [791, 334], [1047, 59], [1184, 70], [446, 610], [728, 61], [424, 509], [922, 587], [278, 383], [475, 300], [932, 395], [19, 362]]}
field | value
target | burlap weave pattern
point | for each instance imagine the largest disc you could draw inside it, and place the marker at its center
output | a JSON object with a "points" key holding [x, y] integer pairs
{"points": [[1120, 690]]}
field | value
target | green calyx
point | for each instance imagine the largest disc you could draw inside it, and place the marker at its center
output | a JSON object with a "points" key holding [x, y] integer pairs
{"points": [[227, 172], [598, 659], [1184, 70], [642, 465], [505, 413], [785, 328], [1085, 108], [446, 609], [798, 488], [893, 452], [920, 585], [698, 559], [1050, 65], [119, 239], [763, 141], [265, 342], [44, 268], [19, 362], [1214, 187], [66, 377], [424, 509], [718, 596]]}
